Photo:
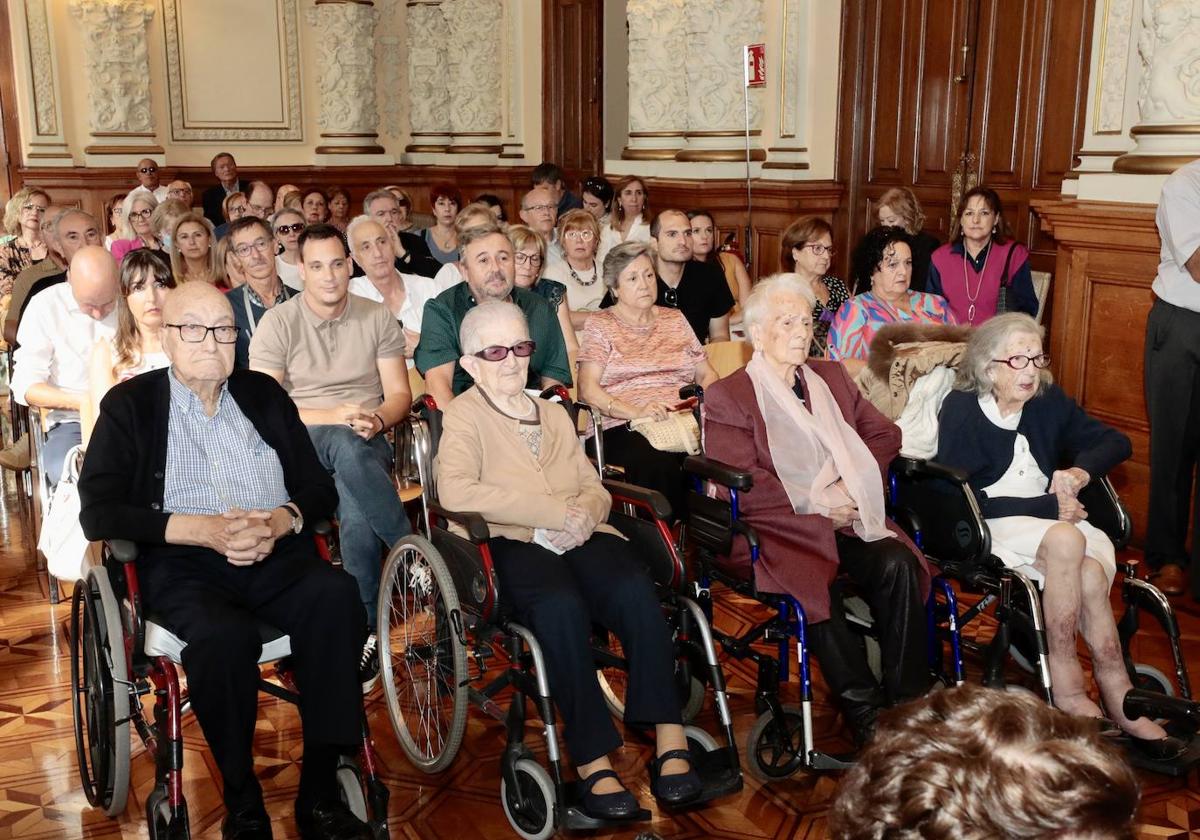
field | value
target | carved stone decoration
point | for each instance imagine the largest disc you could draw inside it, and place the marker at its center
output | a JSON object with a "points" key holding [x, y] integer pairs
{"points": [[41, 63], [428, 77], [117, 60], [389, 67], [346, 75], [1114, 67], [476, 74], [658, 94]]}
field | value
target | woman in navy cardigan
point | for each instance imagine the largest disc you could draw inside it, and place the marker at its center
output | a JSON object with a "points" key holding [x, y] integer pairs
{"points": [[1008, 427]]}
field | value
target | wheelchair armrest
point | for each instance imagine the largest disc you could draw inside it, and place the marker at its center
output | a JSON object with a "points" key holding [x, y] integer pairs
{"points": [[556, 392], [921, 468], [651, 500], [704, 467], [473, 523], [123, 551]]}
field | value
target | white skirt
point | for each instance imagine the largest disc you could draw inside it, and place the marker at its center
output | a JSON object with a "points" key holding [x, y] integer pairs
{"points": [[1015, 540]]}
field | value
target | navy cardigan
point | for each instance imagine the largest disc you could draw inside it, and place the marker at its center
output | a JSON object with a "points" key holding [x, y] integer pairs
{"points": [[1058, 431]]}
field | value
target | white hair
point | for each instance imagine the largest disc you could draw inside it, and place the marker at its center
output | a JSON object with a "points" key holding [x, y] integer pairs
{"points": [[488, 312], [758, 304], [354, 225]]}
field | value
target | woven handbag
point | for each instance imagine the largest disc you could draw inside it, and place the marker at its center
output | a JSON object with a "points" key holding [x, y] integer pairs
{"points": [[678, 433]]}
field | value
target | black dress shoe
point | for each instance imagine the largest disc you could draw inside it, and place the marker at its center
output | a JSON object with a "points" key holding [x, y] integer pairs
{"points": [[621, 805], [1171, 579], [331, 821], [1160, 749], [677, 788], [861, 718], [251, 823]]}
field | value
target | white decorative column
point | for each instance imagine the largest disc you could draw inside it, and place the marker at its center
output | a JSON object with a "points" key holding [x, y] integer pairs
{"points": [[116, 56], [349, 120], [36, 69], [476, 76], [428, 78], [515, 51], [658, 92], [717, 31], [790, 151]]}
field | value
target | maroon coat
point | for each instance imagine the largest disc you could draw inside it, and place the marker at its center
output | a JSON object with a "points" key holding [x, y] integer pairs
{"points": [[798, 553]]}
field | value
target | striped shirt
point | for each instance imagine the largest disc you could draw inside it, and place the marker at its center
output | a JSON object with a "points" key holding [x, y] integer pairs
{"points": [[219, 462]]}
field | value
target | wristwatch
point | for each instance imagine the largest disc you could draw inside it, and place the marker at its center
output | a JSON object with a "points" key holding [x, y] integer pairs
{"points": [[297, 517]]}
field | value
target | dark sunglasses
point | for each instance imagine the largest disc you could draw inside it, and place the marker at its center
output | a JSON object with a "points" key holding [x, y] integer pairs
{"points": [[146, 170], [498, 353], [293, 228]]}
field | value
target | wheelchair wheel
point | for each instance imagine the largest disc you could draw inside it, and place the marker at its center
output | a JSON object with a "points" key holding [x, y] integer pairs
{"points": [[421, 654], [158, 818], [100, 703], [776, 747], [538, 819], [350, 788], [615, 681], [1149, 678]]}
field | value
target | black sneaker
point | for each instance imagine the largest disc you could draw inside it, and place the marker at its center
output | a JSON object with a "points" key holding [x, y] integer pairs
{"points": [[331, 821], [368, 665]]}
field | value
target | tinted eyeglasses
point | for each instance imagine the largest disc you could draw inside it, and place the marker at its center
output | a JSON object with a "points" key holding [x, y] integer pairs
{"points": [[498, 353], [196, 333], [295, 227], [146, 170], [1042, 360]]}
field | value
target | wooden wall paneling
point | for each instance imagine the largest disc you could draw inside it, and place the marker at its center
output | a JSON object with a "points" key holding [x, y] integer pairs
{"points": [[937, 110], [10, 136], [572, 116]]}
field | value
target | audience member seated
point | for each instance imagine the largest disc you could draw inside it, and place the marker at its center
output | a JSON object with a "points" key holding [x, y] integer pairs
{"points": [[412, 254], [707, 249], [286, 225], [25, 245], [136, 347], [341, 359], [578, 238], [898, 207], [883, 266], [529, 251], [56, 336], [974, 763], [146, 175], [539, 210], [963, 271], [819, 454], [560, 566], [181, 191], [282, 194], [224, 167], [235, 205], [260, 200], [407, 222], [441, 238], [475, 214], [551, 176], [339, 208], [806, 249], [253, 250], [314, 205], [629, 219], [405, 295], [228, 273], [112, 218], [494, 204], [633, 359], [1009, 428], [596, 197], [193, 257], [162, 222], [490, 272], [137, 231], [209, 470]]}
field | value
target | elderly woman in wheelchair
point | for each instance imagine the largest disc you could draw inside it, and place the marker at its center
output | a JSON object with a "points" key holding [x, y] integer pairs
{"points": [[817, 452], [517, 462], [1008, 428]]}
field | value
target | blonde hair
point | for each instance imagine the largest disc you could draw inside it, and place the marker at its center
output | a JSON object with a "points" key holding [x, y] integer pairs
{"points": [[12, 210], [579, 220], [126, 230], [522, 235], [903, 202], [178, 263]]}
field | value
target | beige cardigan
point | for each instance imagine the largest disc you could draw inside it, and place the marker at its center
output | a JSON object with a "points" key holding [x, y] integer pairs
{"points": [[484, 467]]}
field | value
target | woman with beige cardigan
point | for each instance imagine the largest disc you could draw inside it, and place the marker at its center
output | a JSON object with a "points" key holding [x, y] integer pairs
{"points": [[517, 462]]}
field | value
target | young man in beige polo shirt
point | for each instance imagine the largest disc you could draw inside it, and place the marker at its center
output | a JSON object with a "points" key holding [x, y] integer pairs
{"points": [[341, 358]]}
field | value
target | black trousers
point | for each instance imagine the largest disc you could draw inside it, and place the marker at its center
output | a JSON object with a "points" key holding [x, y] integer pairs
{"points": [[558, 598], [215, 607], [886, 573], [646, 466], [1172, 379]]}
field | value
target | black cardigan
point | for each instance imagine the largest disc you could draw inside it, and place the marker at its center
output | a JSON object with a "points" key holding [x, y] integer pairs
{"points": [[123, 477], [1058, 431]]}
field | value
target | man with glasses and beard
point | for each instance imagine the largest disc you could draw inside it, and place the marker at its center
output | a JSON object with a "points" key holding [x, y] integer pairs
{"points": [[253, 248]]}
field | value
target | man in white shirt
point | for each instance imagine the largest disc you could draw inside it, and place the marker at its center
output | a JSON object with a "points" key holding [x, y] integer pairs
{"points": [[58, 330], [1172, 380], [147, 178]]}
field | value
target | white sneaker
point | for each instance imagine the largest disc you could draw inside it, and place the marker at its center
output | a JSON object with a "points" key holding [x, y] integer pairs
{"points": [[368, 664]]}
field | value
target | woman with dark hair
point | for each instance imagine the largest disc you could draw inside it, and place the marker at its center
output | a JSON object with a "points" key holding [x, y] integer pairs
{"points": [[882, 265], [707, 249], [135, 347], [597, 196], [339, 208], [442, 238], [112, 218], [807, 250], [314, 205], [629, 220], [494, 202], [898, 207], [963, 271]]}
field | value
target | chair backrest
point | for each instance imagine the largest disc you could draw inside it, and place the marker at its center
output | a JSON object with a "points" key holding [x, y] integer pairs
{"points": [[416, 383], [1041, 286], [942, 516], [726, 357]]}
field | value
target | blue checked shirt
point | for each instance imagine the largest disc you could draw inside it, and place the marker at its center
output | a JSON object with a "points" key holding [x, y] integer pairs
{"points": [[219, 462]]}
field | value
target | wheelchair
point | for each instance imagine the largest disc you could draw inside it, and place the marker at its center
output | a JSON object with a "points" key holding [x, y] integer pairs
{"points": [[440, 614], [122, 652]]}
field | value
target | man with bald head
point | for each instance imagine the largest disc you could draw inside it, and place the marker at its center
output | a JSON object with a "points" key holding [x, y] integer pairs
{"points": [[539, 210], [211, 472], [148, 179], [56, 336]]}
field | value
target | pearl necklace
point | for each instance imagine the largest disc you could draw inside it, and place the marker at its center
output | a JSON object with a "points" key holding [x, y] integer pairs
{"points": [[971, 298], [579, 280]]}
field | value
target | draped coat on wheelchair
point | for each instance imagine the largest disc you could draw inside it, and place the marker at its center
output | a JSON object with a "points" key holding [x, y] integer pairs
{"points": [[798, 552]]}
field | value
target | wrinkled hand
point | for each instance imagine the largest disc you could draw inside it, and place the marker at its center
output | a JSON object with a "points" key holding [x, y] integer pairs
{"points": [[1069, 481], [563, 540], [844, 516], [656, 410], [1070, 509], [579, 523]]}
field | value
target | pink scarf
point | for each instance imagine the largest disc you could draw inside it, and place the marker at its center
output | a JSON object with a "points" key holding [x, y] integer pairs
{"points": [[813, 451]]}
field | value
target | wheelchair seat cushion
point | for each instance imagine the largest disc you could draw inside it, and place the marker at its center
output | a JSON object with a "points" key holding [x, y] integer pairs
{"points": [[160, 641]]}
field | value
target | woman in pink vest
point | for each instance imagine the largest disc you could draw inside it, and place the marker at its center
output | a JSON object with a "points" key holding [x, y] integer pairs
{"points": [[980, 259]]}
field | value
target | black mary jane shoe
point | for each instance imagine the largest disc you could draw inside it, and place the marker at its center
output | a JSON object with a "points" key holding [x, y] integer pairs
{"points": [[1160, 749], [677, 788], [621, 805]]}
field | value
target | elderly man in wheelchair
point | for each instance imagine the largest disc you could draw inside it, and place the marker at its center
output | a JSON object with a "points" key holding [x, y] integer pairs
{"points": [[213, 476]]}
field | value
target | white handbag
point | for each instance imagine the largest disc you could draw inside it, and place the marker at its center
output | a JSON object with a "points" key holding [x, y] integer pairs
{"points": [[679, 432], [62, 540]]}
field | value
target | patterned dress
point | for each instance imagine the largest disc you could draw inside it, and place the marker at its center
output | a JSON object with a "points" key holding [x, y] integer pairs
{"points": [[861, 316], [823, 314]]}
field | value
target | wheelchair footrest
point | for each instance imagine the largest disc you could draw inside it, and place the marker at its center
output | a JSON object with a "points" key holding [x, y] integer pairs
{"points": [[1176, 768], [830, 761], [719, 774], [576, 820]]}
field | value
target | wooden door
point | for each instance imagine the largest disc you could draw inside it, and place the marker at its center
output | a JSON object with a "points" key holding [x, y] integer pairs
{"points": [[10, 145], [573, 57]]}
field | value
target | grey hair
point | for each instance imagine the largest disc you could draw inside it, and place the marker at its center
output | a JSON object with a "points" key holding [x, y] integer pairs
{"points": [[474, 233], [375, 195], [620, 257], [754, 310], [987, 343], [354, 225], [281, 212], [488, 312]]}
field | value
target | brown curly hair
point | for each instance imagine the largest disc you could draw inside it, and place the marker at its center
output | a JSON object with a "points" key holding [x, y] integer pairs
{"points": [[973, 763]]}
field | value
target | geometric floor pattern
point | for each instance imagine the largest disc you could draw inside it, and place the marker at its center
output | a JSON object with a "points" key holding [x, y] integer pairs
{"points": [[40, 796]]}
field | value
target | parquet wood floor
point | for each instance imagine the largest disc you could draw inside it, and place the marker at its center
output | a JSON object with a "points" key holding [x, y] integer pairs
{"points": [[39, 795]]}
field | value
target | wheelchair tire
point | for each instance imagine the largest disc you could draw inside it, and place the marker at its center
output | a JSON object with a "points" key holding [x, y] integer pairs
{"points": [[425, 675], [540, 820], [1149, 678], [158, 818], [614, 681], [350, 788], [100, 703], [776, 749]]}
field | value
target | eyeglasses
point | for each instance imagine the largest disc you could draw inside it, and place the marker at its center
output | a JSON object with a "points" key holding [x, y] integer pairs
{"points": [[36, 208], [245, 248], [259, 210], [292, 228], [1042, 360], [818, 249], [581, 235], [541, 208], [533, 259], [148, 170], [139, 214], [498, 353], [196, 333], [178, 191]]}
